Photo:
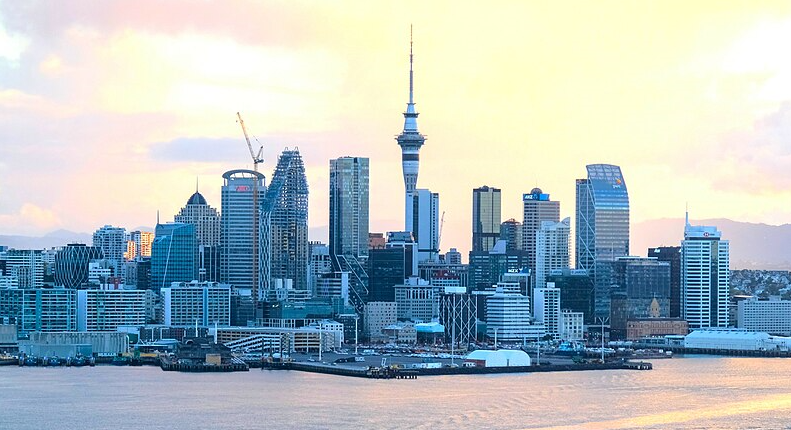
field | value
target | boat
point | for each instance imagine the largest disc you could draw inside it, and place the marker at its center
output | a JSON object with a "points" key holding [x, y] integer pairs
{"points": [[120, 361]]}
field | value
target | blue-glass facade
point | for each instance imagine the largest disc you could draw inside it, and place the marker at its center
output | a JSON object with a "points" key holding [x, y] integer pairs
{"points": [[174, 255], [602, 227]]}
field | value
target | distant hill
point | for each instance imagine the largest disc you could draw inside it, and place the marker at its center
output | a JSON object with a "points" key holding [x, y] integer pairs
{"points": [[49, 240], [753, 246]]}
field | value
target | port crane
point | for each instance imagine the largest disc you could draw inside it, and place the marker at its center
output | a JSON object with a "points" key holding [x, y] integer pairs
{"points": [[257, 159]]}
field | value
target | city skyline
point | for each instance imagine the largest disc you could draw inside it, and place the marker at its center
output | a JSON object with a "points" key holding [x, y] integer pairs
{"points": [[585, 104]]}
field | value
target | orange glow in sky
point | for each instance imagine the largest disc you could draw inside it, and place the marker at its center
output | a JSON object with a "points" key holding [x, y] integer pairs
{"points": [[110, 110]]}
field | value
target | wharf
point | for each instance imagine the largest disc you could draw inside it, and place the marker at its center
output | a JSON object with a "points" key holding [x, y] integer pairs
{"points": [[169, 365], [395, 372], [727, 352], [370, 372]]}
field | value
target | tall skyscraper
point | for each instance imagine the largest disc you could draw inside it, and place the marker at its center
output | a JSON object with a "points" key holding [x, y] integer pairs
{"points": [[349, 206], [237, 243], [204, 217], [671, 255], [511, 233], [410, 140], [207, 231], [112, 241], [537, 208], [423, 222], [284, 226], [486, 217], [705, 277], [552, 249], [174, 255], [602, 227]]}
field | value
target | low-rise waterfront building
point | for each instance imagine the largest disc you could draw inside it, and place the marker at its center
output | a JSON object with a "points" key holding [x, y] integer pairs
{"points": [[772, 316], [379, 315], [571, 325], [640, 328]]}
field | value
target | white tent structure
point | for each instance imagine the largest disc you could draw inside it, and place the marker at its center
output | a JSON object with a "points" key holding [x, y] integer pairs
{"points": [[499, 358]]}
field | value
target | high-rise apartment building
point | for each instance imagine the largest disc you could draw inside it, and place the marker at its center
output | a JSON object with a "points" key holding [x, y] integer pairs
{"points": [[537, 208], [71, 264], [112, 241], [511, 233], [486, 217], [238, 246], [138, 245], [284, 225], [552, 249], [174, 257], [546, 309], [705, 277], [349, 235], [602, 227], [26, 266], [349, 192], [423, 222]]}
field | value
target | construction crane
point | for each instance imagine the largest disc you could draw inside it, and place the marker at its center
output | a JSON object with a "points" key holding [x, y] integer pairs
{"points": [[257, 159], [439, 236]]}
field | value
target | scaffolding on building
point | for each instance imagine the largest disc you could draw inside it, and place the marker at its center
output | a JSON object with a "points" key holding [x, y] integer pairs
{"points": [[283, 244]]}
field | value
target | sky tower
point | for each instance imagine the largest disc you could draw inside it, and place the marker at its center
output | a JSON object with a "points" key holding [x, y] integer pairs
{"points": [[410, 140]]}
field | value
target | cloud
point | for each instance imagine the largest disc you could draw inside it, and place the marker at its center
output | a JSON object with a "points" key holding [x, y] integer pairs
{"points": [[29, 219], [200, 149], [751, 160]]}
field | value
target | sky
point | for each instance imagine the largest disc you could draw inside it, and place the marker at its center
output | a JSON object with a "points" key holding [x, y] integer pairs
{"points": [[110, 111]]}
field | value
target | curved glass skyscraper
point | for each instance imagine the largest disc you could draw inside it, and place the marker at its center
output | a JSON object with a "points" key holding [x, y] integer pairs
{"points": [[71, 264], [602, 227]]}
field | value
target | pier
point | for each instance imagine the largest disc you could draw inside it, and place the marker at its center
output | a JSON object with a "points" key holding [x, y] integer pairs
{"points": [[396, 372]]}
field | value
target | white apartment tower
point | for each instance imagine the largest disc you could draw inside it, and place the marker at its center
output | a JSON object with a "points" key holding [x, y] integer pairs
{"points": [[552, 249]]}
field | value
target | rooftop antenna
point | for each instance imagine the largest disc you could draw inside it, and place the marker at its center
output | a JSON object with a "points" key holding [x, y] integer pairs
{"points": [[197, 179], [411, 97], [686, 214], [157, 216]]}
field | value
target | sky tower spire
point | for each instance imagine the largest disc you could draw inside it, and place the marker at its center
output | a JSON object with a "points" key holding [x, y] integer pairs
{"points": [[410, 140]]}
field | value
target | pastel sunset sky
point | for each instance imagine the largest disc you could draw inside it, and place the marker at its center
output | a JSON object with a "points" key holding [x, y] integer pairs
{"points": [[110, 110]]}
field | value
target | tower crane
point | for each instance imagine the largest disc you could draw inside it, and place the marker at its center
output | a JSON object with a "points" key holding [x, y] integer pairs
{"points": [[257, 159], [439, 236]]}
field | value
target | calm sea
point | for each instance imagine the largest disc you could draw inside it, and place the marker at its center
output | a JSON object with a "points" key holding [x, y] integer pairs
{"points": [[685, 393]]}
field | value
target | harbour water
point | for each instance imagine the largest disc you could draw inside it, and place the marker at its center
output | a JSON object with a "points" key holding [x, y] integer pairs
{"points": [[681, 393]]}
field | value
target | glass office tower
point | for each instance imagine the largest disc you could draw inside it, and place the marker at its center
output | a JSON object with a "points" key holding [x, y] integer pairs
{"points": [[602, 228]]}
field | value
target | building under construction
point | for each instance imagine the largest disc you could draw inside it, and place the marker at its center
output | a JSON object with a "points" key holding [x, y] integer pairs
{"points": [[284, 227]]}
